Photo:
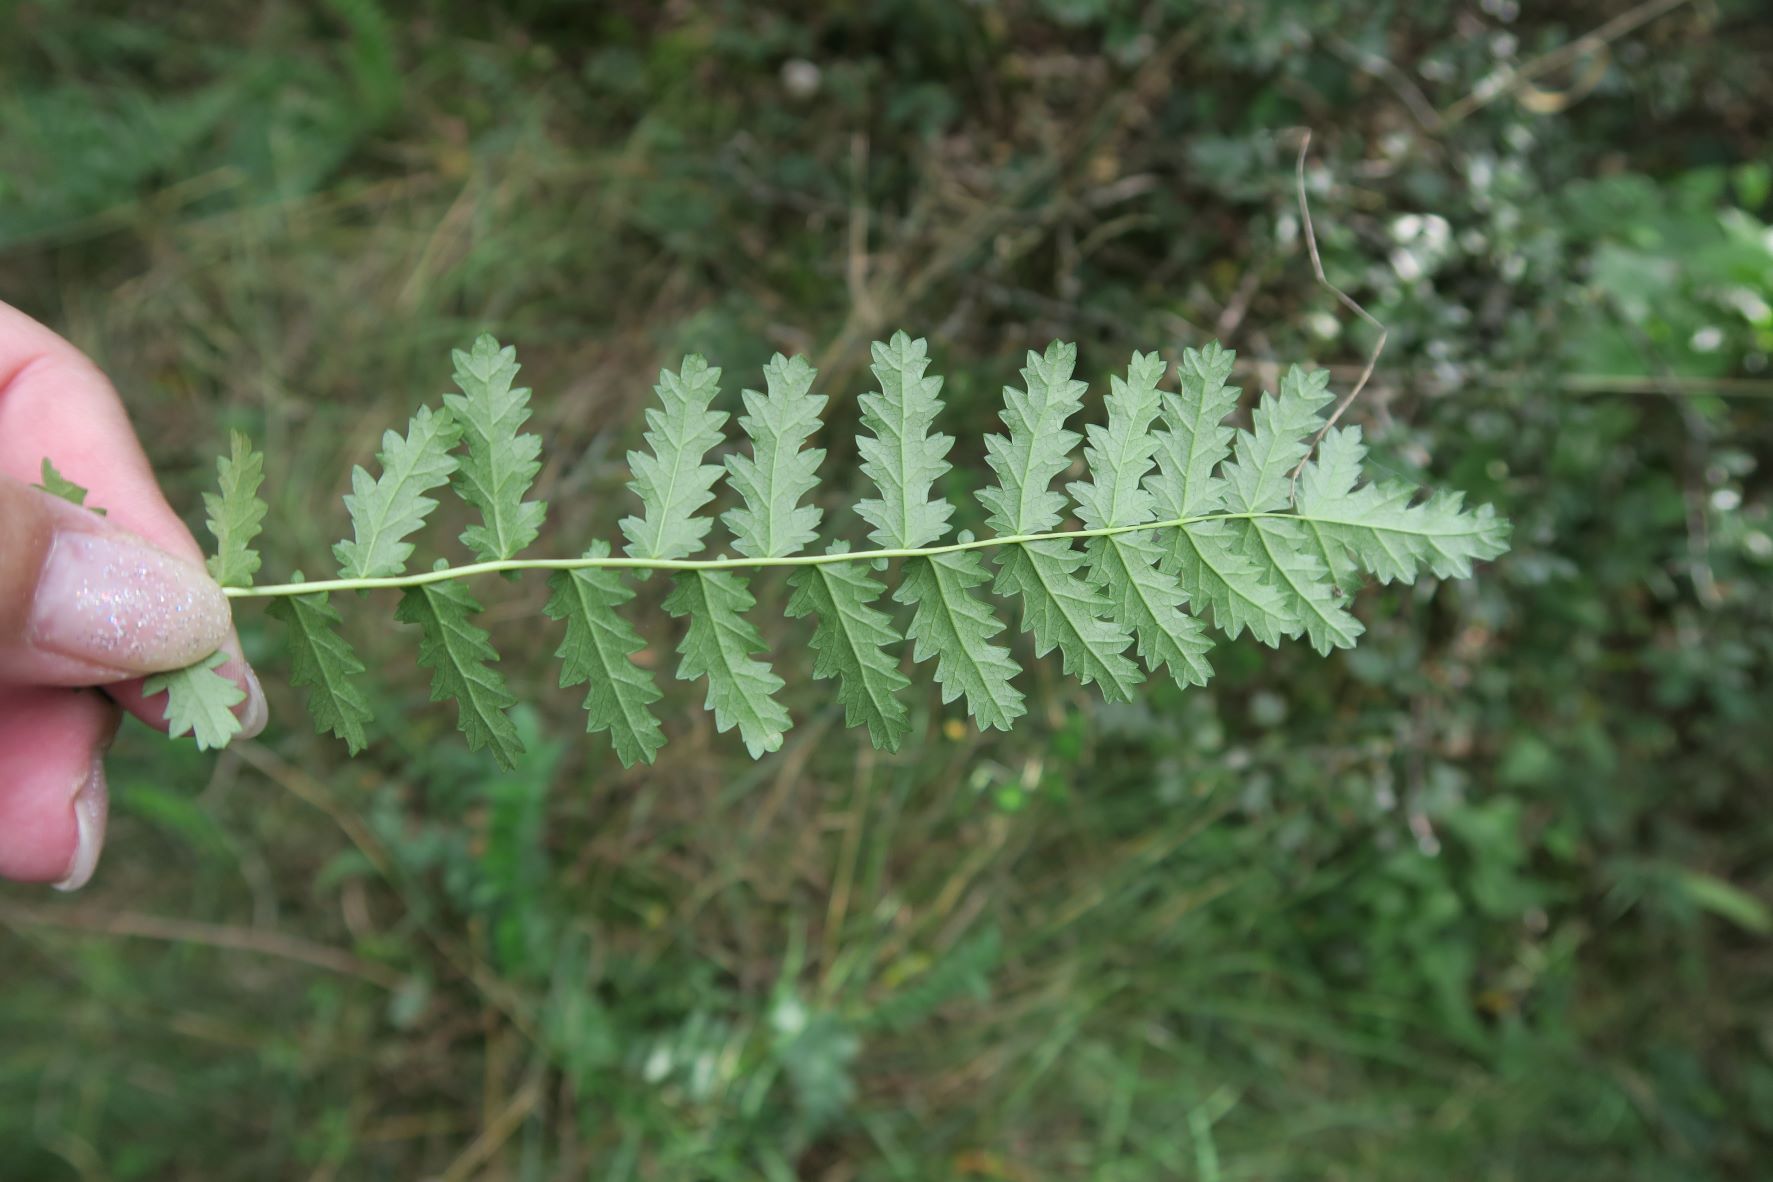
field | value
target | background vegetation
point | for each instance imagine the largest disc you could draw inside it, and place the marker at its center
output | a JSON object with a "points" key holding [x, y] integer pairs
{"points": [[1486, 899]]}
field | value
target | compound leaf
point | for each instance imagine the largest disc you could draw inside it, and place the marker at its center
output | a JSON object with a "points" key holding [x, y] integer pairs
{"points": [[501, 464]]}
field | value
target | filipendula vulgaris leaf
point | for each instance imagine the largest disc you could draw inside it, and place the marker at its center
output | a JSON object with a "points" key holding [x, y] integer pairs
{"points": [[850, 637], [1143, 598], [904, 459], [236, 514], [1207, 556], [460, 656], [1259, 480], [598, 652], [199, 702], [321, 661], [388, 508], [850, 643], [1059, 607], [1376, 526], [57, 485], [501, 465], [673, 483]]}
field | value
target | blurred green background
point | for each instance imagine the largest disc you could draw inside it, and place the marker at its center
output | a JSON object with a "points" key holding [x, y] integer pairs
{"points": [[1487, 898]]}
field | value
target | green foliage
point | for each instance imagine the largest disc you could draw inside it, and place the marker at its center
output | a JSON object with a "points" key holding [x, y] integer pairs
{"points": [[57, 485], [386, 509], [718, 645], [321, 661], [598, 652], [199, 702], [461, 660], [852, 642], [671, 480], [236, 514], [1234, 542], [500, 464]]}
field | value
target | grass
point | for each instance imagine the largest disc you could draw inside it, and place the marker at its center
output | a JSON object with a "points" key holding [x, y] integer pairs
{"points": [[1410, 913]]}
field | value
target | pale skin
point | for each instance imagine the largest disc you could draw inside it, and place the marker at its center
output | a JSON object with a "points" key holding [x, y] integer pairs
{"points": [[88, 604]]}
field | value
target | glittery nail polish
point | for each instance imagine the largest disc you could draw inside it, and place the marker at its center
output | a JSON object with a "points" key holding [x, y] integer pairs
{"points": [[122, 604]]}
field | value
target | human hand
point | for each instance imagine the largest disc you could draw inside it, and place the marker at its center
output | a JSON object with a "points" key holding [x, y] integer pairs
{"points": [[85, 601]]}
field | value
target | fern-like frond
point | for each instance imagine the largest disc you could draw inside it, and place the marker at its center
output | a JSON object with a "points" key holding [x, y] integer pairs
{"points": [[851, 643], [671, 480], [236, 515], [719, 644], [321, 661], [1184, 520], [1379, 527], [781, 469], [1060, 608], [501, 464], [598, 653], [199, 702], [387, 509], [460, 655]]}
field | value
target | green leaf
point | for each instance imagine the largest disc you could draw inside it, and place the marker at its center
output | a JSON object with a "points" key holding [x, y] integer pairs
{"points": [[1141, 598], [850, 643], [1313, 601], [1378, 527], [718, 645], [781, 470], [320, 660], [1059, 607], [1147, 600], [951, 624], [901, 456], [460, 656], [1195, 441], [57, 485], [236, 514], [598, 653], [501, 464], [1259, 477], [199, 702], [671, 480], [1209, 562], [388, 508], [1259, 480]]}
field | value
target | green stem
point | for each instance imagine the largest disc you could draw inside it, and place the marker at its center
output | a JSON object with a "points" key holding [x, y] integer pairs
{"points": [[271, 590]]}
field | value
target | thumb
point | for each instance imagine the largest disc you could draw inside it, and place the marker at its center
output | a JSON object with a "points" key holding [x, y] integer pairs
{"points": [[85, 603]]}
